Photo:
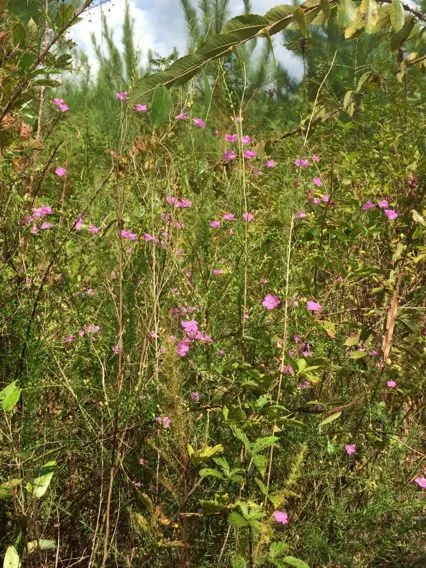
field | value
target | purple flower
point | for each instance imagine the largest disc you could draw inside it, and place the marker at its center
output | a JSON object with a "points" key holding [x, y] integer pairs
{"points": [[78, 225], [368, 205], [300, 214], [271, 163], [140, 108], [248, 217], [391, 384], [350, 449], [46, 225], [313, 306], [195, 396], [199, 122], [287, 370], [163, 421], [421, 482], [61, 104], [316, 201], [190, 326], [229, 155], [60, 171], [214, 224], [126, 234], [148, 237], [270, 302], [301, 163], [280, 517], [246, 139], [325, 197], [391, 214], [315, 158], [116, 349], [383, 204], [182, 348], [122, 96], [93, 229], [183, 203], [317, 181], [40, 212], [228, 217], [249, 154], [217, 272], [182, 116], [231, 137], [69, 339]]}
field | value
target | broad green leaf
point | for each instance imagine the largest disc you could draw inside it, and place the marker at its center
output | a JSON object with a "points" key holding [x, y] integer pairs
{"points": [[260, 462], [236, 520], [160, 106], [356, 25], [397, 15], [9, 396], [277, 549], [399, 37], [300, 19], [346, 13], [207, 452], [369, 14], [41, 483], [330, 418], [358, 354], [352, 340], [11, 558], [417, 218], [7, 487], [41, 544], [279, 18], [301, 365], [261, 444], [210, 472], [248, 24], [240, 435], [292, 561]]}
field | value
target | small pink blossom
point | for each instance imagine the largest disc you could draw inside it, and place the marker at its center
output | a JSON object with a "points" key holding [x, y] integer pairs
{"points": [[93, 229], [148, 237], [246, 139], [228, 217], [325, 197], [315, 158], [248, 217], [313, 306], [163, 421], [231, 137], [300, 214], [122, 96], [301, 163], [91, 292], [78, 225], [182, 116], [190, 326], [391, 214], [46, 225], [270, 302], [383, 204], [214, 224], [316, 201], [60, 171], [317, 181], [69, 339], [271, 163], [391, 384], [61, 104], [280, 517], [217, 272], [195, 396], [421, 482], [140, 108], [304, 384], [287, 370], [350, 449], [229, 155], [199, 122], [40, 212], [368, 205], [249, 154], [127, 234], [116, 349], [182, 348], [183, 203]]}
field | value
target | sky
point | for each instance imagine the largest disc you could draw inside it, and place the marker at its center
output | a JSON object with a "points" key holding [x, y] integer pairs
{"points": [[160, 25]]}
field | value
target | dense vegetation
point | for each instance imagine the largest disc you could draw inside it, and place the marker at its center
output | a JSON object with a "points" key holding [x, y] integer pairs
{"points": [[212, 281]]}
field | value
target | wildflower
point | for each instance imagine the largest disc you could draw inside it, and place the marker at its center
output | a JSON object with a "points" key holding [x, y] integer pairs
{"points": [[195, 396], [148, 237], [190, 326], [280, 517], [61, 104], [391, 214], [116, 349], [250, 154], [164, 421], [316, 201], [92, 328], [46, 225], [182, 348], [60, 171], [300, 214], [286, 370], [317, 181], [122, 96], [69, 339], [182, 116], [391, 384], [221, 353], [304, 384], [246, 139], [40, 212], [270, 301], [231, 137], [368, 205], [301, 163], [228, 217], [350, 449], [184, 203], [217, 272], [78, 223], [126, 234], [93, 229], [229, 155], [90, 292], [271, 163], [248, 217], [325, 197], [263, 281], [383, 204], [153, 334], [313, 306], [214, 224], [199, 122], [315, 158], [140, 108], [421, 482]]}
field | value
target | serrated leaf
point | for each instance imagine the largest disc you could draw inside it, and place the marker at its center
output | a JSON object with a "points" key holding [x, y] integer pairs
{"points": [[300, 19], [160, 106], [330, 419], [11, 558], [346, 13], [236, 520], [292, 561], [9, 396], [279, 17], [397, 15], [261, 444], [41, 483], [240, 435], [251, 23]]}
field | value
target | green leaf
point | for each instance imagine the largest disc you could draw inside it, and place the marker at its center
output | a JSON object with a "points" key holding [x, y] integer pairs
{"points": [[330, 418], [238, 562], [292, 561], [160, 106], [325, 7], [417, 218], [41, 544], [346, 13], [210, 472], [352, 340], [7, 487], [397, 15], [279, 18], [207, 452], [11, 558], [277, 549], [247, 25], [41, 483], [358, 355], [236, 520], [399, 37], [9, 396], [261, 444], [240, 435], [260, 462], [300, 19]]}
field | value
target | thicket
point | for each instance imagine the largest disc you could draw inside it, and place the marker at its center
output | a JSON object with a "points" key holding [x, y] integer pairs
{"points": [[212, 321]]}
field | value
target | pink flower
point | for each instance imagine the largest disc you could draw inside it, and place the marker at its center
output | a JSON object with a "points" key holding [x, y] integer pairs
{"points": [[140, 108], [195, 396], [171, 200], [93, 229], [315, 158], [250, 154], [270, 302], [383, 204], [368, 205], [300, 214], [304, 384], [350, 449], [228, 217], [148, 237], [231, 137], [91, 292], [301, 163], [122, 96], [391, 384], [271, 163], [229, 155], [421, 482], [248, 217], [214, 224], [199, 122], [78, 225], [92, 328], [217, 272], [46, 225], [40, 212], [69, 339], [164, 421], [184, 203], [280, 517], [126, 234], [391, 214], [316, 201], [34, 229], [61, 104], [60, 171], [246, 139], [287, 370], [325, 197], [116, 349], [313, 306], [182, 116], [182, 348], [190, 326], [317, 181]]}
